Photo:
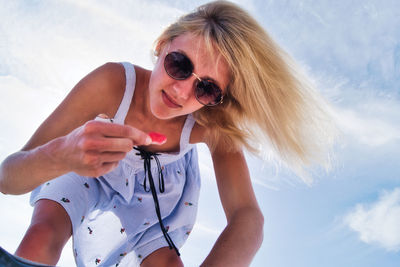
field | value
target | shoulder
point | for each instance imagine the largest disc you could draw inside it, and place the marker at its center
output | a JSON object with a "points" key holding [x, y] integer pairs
{"points": [[103, 88], [100, 91], [198, 134], [222, 145], [103, 79], [109, 76]]}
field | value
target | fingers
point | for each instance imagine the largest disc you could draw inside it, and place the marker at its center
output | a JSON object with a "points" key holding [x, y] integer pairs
{"points": [[101, 144], [109, 162], [105, 144], [137, 136], [96, 164], [111, 157]]}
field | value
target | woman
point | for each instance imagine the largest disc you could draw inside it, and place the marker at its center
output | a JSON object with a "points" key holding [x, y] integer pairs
{"points": [[218, 79]]}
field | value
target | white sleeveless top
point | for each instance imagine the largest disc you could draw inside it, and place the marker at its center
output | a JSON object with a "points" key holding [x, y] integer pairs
{"points": [[132, 163]]}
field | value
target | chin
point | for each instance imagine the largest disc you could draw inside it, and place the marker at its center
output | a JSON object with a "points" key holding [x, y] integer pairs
{"points": [[161, 112]]}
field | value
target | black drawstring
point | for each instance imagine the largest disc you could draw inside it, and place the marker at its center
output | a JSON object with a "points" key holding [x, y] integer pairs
{"points": [[147, 157]]}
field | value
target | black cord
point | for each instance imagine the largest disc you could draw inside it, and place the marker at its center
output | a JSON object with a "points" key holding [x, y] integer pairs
{"points": [[147, 157]]}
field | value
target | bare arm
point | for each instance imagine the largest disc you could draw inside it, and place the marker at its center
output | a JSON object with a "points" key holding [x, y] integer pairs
{"points": [[69, 141], [242, 237], [22, 171]]}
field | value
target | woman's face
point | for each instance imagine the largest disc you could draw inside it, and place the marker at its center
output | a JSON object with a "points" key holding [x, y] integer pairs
{"points": [[170, 98]]}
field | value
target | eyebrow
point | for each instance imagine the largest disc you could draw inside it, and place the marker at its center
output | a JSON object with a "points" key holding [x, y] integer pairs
{"points": [[207, 78]]}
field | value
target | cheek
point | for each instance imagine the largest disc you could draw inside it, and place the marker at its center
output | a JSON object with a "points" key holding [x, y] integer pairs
{"points": [[155, 102], [194, 105], [155, 84], [155, 76]]}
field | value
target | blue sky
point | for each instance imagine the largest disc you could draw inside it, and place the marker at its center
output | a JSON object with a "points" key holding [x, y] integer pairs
{"points": [[351, 51]]}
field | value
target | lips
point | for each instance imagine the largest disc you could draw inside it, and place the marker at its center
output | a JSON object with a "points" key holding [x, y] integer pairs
{"points": [[169, 101]]}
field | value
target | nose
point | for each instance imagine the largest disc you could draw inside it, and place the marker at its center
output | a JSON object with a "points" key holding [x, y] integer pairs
{"points": [[184, 89]]}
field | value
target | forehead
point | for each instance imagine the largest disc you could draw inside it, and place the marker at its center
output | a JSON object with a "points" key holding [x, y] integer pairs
{"points": [[210, 64]]}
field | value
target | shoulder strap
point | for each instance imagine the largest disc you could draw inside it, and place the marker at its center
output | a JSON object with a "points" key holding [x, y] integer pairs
{"points": [[130, 77], [186, 131]]}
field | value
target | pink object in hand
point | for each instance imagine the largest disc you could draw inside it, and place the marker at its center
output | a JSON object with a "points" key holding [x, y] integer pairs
{"points": [[157, 138]]}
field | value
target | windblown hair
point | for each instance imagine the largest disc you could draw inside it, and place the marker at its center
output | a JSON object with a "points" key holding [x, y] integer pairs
{"points": [[268, 104]]}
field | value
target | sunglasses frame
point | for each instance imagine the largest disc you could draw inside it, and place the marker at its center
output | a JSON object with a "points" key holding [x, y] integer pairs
{"points": [[199, 80]]}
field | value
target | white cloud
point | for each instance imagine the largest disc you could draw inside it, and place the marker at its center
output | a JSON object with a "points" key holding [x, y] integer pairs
{"points": [[54, 44], [379, 222], [264, 184], [373, 124], [207, 230]]}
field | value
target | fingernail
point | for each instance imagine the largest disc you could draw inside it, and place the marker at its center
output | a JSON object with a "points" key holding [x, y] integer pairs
{"points": [[148, 140], [157, 138]]}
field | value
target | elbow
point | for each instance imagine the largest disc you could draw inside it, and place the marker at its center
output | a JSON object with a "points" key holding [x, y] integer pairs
{"points": [[4, 189], [256, 228], [6, 184], [259, 217], [259, 225], [256, 219], [252, 221]]}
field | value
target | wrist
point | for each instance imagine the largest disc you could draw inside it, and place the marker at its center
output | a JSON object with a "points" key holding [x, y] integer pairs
{"points": [[51, 154]]}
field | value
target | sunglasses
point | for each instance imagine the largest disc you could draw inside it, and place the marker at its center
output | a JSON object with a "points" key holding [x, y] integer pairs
{"points": [[179, 67]]}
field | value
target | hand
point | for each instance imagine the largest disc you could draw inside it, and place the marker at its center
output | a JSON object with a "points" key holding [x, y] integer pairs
{"points": [[96, 147]]}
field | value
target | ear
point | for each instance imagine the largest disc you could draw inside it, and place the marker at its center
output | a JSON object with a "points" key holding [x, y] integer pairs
{"points": [[158, 47]]}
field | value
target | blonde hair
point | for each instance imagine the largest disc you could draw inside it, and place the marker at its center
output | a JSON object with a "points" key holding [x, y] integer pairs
{"points": [[268, 103]]}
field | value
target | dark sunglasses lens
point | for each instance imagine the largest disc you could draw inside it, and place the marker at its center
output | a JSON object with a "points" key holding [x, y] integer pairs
{"points": [[178, 66], [208, 93]]}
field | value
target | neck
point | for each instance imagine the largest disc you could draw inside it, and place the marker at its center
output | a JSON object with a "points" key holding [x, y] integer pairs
{"points": [[141, 100]]}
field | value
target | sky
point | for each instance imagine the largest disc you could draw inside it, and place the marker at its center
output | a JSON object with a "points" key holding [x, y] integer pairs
{"points": [[349, 49]]}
